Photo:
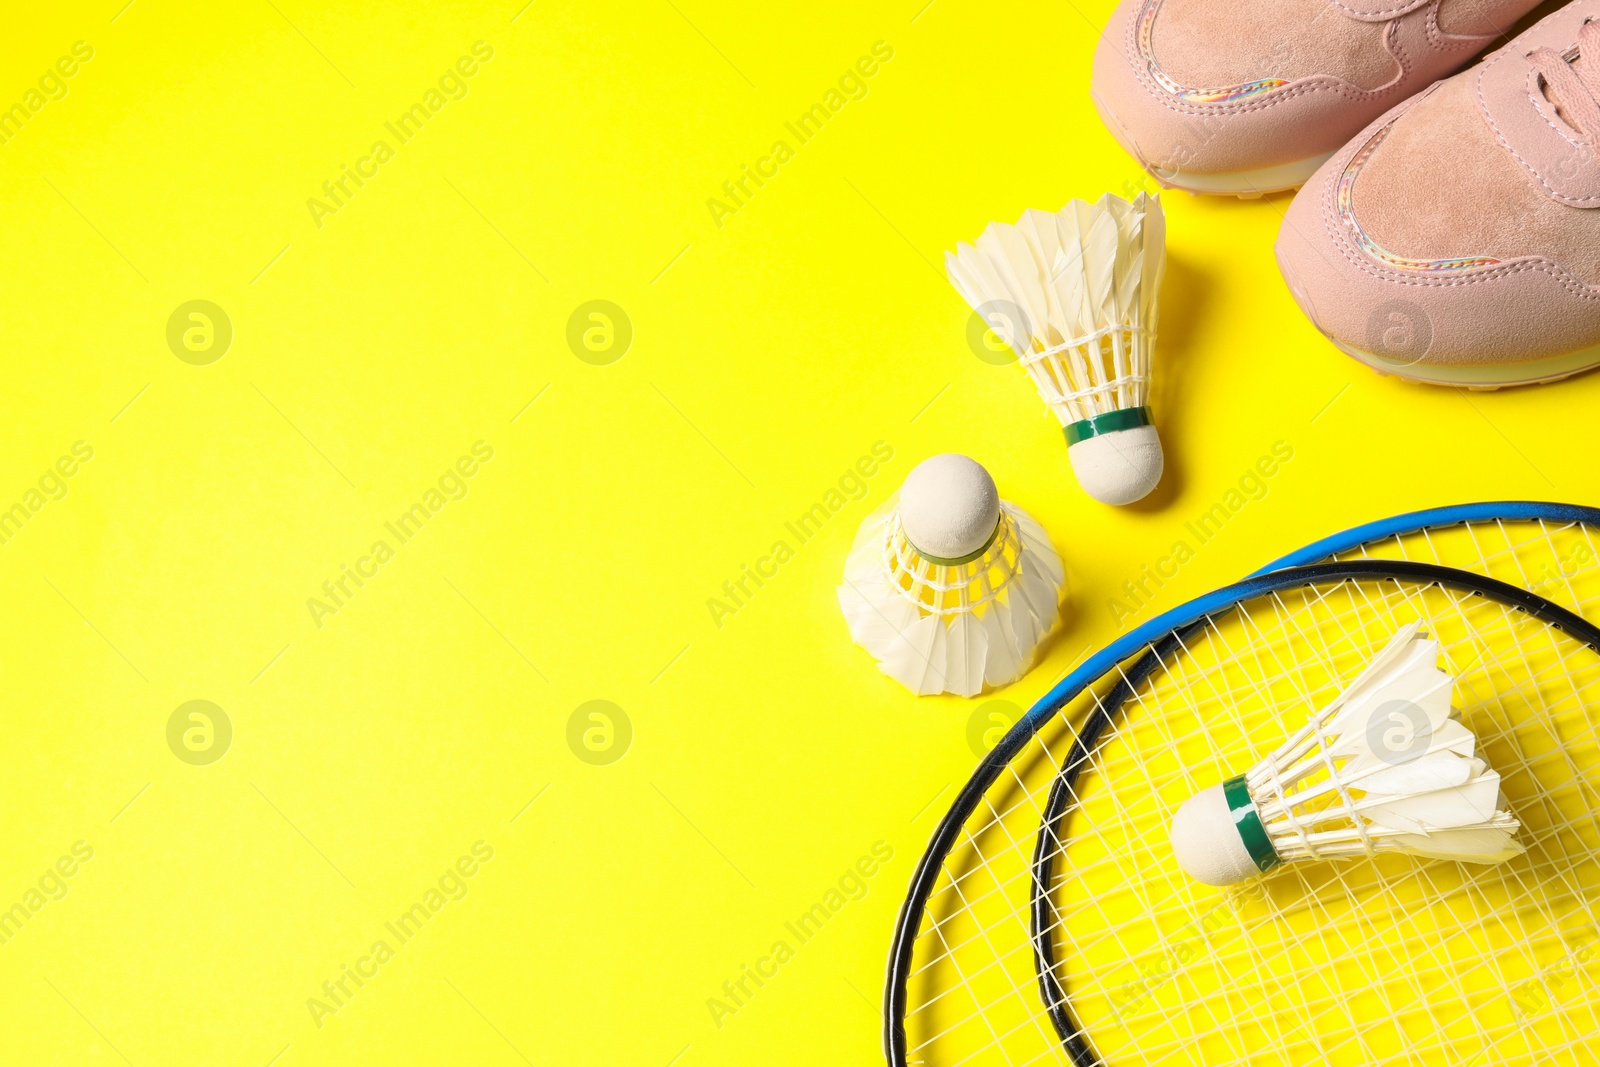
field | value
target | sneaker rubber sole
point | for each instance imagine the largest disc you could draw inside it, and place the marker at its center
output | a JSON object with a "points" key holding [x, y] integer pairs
{"points": [[1245, 184], [1480, 377]]}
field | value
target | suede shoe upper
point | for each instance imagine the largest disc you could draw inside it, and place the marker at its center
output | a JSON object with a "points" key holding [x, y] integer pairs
{"points": [[1470, 213], [1215, 94]]}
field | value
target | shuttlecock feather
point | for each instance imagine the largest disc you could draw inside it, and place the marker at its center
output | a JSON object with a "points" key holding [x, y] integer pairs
{"points": [[1385, 767], [1074, 295], [950, 588]]}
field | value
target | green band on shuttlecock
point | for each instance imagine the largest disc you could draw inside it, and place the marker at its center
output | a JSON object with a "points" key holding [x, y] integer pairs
{"points": [[959, 560], [1247, 820], [1110, 422]]}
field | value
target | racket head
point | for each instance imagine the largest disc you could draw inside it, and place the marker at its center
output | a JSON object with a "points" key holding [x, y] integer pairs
{"points": [[963, 982]]}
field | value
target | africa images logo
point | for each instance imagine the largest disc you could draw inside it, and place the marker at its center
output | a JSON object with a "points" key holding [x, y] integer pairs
{"points": [[338, 191], [453, 885]]}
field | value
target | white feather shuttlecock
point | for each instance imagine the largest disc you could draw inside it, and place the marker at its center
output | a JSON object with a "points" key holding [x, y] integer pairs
{"points": [[1387, 766], [1074, 295], [950, 588]]}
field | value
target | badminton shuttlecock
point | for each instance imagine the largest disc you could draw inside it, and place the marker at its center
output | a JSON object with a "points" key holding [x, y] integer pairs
{"points": [[1385, 767], [1074, 295], [949, 587]]}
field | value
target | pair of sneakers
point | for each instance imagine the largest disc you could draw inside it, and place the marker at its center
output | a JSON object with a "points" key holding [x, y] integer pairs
{"points": [[1446, 231]]}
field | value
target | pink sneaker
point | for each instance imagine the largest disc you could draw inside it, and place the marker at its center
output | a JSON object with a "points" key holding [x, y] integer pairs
{"points": [[1251, 96], [1457, 239]]}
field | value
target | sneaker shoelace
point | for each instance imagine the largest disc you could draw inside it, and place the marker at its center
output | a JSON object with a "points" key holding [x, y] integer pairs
{"points": [[1576, 91]]}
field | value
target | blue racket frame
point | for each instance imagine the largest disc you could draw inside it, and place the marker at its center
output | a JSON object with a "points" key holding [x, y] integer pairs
{"points": [[1435, 518]]}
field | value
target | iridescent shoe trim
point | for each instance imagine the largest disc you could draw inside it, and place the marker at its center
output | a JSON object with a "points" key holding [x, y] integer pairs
{"points": [[1225, 94], [1345, 202]]}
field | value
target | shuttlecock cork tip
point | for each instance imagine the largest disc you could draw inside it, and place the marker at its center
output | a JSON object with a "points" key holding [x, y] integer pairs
{"points": [[1118, 467], [949, 507], [1207, 842]]}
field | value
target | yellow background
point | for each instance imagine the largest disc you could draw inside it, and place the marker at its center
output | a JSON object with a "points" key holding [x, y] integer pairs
{"points": [[768, 754]]}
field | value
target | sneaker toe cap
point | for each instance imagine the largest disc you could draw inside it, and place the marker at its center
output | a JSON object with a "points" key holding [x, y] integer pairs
{"points": [[1474, 324]]}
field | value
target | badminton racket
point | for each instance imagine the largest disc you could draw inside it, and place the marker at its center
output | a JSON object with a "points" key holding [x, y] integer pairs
{"points": [[1122, 959]]}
